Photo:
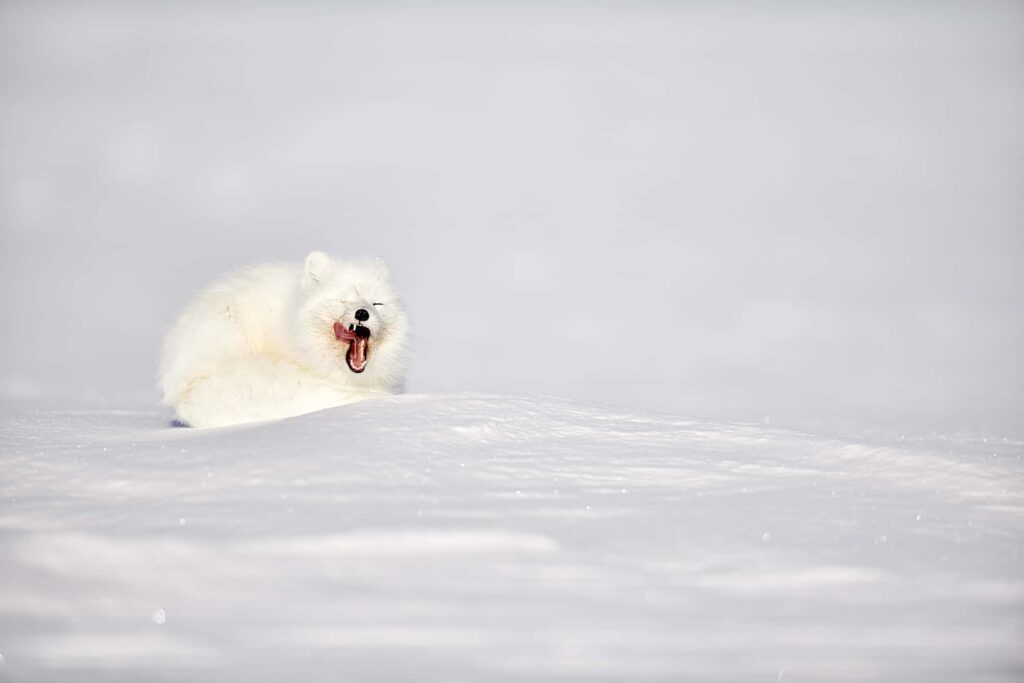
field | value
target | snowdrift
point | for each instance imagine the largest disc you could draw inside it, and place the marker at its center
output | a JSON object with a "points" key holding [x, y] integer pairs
{"points": [[474, 537]]}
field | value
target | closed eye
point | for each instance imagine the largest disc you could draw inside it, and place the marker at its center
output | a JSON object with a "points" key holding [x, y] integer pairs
{"points": [[377, 303]]}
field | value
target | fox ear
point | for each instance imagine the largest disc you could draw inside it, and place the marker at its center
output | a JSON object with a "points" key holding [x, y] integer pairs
{"points": [[317, 265], [381, 266]]}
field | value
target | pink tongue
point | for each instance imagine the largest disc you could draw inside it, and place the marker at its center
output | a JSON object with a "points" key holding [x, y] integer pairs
{"points": [[357, 354], [342, 334]]}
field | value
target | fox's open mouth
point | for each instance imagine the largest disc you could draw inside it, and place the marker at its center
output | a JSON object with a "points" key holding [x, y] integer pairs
{"points": [[358, 339]]}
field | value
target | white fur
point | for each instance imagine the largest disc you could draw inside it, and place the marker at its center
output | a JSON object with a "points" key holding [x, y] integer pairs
{"points": [[260, 344]]}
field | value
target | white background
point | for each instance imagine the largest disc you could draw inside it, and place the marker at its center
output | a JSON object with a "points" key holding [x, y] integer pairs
{"points": [[804, 212]]}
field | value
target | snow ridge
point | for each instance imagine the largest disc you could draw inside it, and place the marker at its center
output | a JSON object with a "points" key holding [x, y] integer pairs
{"points": [[479, 537]]}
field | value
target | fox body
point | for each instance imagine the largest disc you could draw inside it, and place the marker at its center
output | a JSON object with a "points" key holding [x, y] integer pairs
{"points": [[277, 340]]}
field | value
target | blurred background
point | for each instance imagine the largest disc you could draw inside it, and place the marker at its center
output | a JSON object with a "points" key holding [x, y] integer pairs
{"points": [[804, 213]]}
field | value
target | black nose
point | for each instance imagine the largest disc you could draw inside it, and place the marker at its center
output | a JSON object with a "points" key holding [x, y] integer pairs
{"points": [[362, 314]]}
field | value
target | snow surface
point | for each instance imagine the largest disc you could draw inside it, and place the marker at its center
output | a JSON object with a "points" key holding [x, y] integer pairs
{"points": [[477, 537]]}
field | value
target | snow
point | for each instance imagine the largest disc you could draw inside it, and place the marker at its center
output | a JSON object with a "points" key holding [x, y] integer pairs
{"points": [[766, 255], [480, 537]]}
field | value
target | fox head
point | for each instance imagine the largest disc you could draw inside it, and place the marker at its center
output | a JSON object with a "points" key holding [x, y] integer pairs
{"points": [[351, 324]]}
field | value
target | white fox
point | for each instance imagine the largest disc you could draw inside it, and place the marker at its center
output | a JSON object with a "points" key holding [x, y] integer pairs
{"points": [[277, 340]]}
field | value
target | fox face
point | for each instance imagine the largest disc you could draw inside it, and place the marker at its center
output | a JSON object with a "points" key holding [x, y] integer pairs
{"points": [[351, 323]]}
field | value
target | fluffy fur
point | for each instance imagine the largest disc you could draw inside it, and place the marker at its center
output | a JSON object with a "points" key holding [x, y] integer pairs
{"points": [[261, 344]]}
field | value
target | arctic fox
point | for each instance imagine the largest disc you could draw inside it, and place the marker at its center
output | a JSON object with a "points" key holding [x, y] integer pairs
{"points": [[277, 340]]}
